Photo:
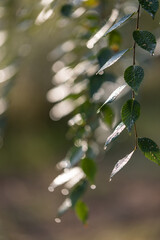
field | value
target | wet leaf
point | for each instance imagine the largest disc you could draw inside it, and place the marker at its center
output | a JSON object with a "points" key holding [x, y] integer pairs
{"points": [[81, 210], [145, 40], [115, 134], [151, 6], [112, 60], [133, 76], [113, 96], [104, 55], [119, 23], [150, 149], [120, 164], [130, 113]]}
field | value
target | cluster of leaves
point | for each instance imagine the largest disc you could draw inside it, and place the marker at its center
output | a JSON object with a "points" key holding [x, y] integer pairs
{"points": [[86, 101]]}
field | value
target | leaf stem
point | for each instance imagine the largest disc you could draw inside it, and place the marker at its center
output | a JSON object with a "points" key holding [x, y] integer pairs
{"points": [[134, 62]]}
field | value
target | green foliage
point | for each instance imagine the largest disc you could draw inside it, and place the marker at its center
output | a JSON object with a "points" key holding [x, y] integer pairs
{"points": [[66, 10], [150, 149], [133, 76], [130, 113], [145, 40], [89, 167], [115, 40], [151, 6], [81, 211]]}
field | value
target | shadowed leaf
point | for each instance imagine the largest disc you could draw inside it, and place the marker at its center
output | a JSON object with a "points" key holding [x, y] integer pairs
{"points": [[89, 167], [130, 113]]}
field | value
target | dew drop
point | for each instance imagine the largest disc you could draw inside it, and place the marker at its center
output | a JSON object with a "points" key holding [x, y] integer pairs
{"points": [[93, 186], [65, 191], [50, 189], [57, 220]]}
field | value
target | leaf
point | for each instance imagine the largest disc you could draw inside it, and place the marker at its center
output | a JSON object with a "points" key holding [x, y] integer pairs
{"points": [[115, 40], [113, 59], [66, 10], [113, 96], [150, 149], [77, 192], [104, 55], [120, 164], [81, 210], [119, 23], [151, 6], [75, 155], [108, 115], [130, 113], [65, 206], [89, 167], [133, 76], [145, 40], [96, 81], [115, 134]]}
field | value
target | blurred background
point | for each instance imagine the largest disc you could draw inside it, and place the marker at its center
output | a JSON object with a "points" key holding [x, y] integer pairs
{"points": [[42, 44]]}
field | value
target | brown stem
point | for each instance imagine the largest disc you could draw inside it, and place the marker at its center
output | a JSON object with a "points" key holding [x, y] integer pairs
{"points": [[134, 62]]}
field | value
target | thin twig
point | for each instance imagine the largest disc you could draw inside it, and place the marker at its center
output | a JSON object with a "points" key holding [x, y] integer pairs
{"points": [[134, 62]]}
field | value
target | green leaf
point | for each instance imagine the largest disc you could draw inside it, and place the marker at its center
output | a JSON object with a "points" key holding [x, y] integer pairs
{"points": [[112, 60], [120, 164], [89, 168], [145, 40], [115, 40], [133, 76], [78, 191], [66, 10], [121, 126], [150, 6], [108, 115], [81, 210], [150, 149], [130, 113], [119, 23], [113, 96]]}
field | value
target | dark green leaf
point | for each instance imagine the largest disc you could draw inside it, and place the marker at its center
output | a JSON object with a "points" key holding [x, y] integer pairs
{"points": [[130, 113], [115, 134], [150, 149], [81, 211], [66, 10], [108, 115], [112, 60], [89, 168], [150, 6], [133, 76], [112, 97], [77, 192], [115, 40], [120, 164], [145, 40], [119, 23]]}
